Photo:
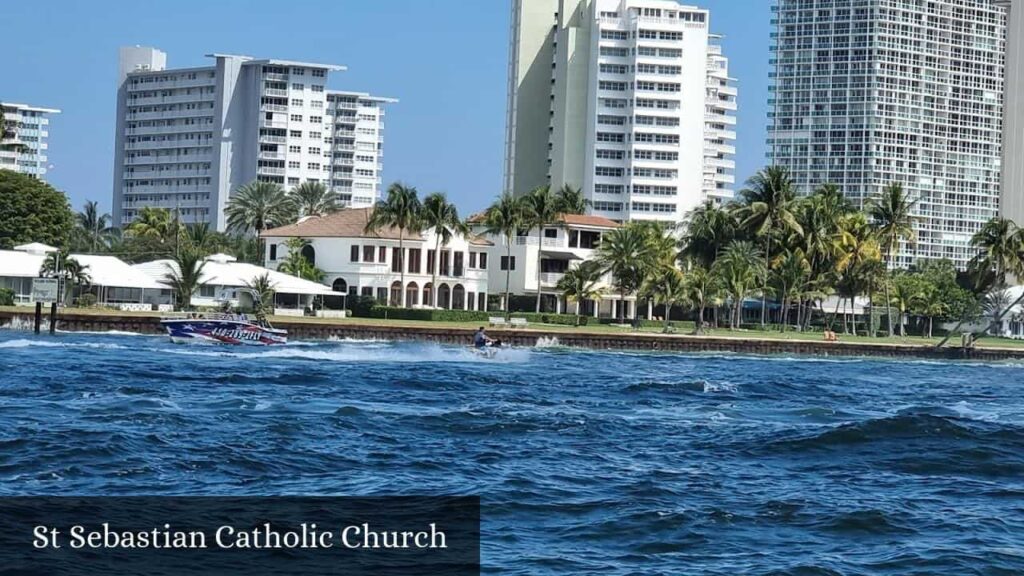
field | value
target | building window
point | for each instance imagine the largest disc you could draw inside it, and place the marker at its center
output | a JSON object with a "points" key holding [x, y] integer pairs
{"points": [[483, 260], [296, 117], [368, 253], [298, 87], [273, 252], [472, 260], [505, 263], [382, 254], [415, 255], [355, 253]]}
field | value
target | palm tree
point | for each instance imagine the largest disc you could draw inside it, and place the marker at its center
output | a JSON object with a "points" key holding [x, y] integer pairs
{"points": [[907, 291], [819, 216], [258, 206], [93, 227], [858, 250], [892, 216], [1001, 244], [701, 289], [571, 200], [297, 264], [581, 284], [401, 209], [666, 287], [541, 207], [629, 254], [505, 218], [707, 231], [67, 270], [184, 274], [442, 217], [158, 226], [789, 270], [738, 269], [313, 199], [263, 288], [767, 209]]}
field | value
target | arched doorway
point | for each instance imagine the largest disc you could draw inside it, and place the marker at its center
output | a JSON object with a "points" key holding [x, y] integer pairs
{"points": [[459, 297], [428, 294], [444, 297], [309, 253], [412, 294], [395, 298], [340, 285]]}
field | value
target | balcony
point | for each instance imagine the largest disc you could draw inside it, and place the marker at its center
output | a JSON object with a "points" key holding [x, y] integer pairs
{"points": [[551, 278], [532, 241], [273, 139]]}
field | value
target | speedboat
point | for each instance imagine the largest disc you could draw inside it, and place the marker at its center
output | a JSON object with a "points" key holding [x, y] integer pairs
{"points": [[223, 329]]}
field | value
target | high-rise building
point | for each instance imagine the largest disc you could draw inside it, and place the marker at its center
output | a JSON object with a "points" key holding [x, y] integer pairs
{"points": [[629, 100], [1012, 199], [187, 138], [25, 131], [867, 93]]}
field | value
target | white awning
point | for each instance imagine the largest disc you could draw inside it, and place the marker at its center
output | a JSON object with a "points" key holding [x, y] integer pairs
{"points": [[102, 270], [218, 272]]}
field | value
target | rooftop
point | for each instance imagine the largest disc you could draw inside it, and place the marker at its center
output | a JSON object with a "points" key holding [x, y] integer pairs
{"points": [[348, 223]]}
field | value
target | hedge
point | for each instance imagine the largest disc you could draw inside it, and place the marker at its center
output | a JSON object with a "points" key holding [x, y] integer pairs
{"points": [[6, 297]]}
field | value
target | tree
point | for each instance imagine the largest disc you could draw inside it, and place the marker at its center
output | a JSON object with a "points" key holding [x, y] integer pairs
{"points": [[401, 209], [313, 199], [184, 274], [894, 222], [701, 288], [908, 291], [581, 284], [738, 269], [541, 207], [666, 287], [707, 231], [158, 229], [297, 264], [858, 253], [629, 254], [92, 228], [263, 288], [259, 206], [32, 211], [571, 200], [442, 217], [788, 271], [69, 272], [505, 218], [766, 209]]}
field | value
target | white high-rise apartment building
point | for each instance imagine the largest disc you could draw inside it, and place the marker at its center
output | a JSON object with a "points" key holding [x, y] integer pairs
{"points": [[26, 129], [1012, 198], [628, 99], [867, 93], [188, 138]]}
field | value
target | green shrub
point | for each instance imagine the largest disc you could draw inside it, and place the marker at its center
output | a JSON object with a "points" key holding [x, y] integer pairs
{"points": [[559, 319], [6, 297], [87, 300], [428, 315], [362, 306]]}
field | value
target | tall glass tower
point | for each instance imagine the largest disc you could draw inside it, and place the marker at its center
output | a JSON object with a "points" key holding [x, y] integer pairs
{"points": [[866, 93]]}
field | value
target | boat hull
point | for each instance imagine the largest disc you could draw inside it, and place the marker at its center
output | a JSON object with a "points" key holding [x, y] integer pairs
{"points": [[234, 332]]}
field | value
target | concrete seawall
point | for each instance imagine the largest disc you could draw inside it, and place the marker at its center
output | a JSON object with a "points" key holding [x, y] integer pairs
{"points": [[304, 330]]}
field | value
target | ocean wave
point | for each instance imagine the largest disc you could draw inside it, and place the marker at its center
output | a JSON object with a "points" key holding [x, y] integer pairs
{"points": [[355, 354], [25, 343]]}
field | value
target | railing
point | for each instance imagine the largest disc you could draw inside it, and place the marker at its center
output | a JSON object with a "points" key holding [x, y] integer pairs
{"points": [[551, 278], [532, 241]]}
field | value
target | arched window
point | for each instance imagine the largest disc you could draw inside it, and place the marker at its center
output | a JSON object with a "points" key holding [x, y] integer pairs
{"points": [[459, 297], [309, 254], [340, 285], [412, 294], [444, 297]]}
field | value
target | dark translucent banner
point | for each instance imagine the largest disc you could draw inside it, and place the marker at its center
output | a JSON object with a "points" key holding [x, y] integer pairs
{"points": [[240, 536]]}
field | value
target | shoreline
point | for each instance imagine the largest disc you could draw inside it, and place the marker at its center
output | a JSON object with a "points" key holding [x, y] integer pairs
{"points": [[298, 329]]}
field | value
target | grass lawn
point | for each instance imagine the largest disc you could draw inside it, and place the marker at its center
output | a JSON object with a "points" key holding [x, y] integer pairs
{"points": [[682, 328]]}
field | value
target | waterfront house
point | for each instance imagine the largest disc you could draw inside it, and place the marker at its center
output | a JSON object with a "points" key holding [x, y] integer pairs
{"points": [[564, 245], [112, 282], [356, 262], [223, 275]]}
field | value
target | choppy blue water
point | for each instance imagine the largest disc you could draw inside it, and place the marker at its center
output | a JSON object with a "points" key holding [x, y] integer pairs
{"points": [[588, 463]]}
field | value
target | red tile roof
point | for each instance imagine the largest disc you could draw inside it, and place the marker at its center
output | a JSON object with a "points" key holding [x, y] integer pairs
{"points": [[348, 223]]}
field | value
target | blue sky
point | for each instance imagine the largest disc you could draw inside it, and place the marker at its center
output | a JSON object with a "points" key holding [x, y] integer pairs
{"points": [[445, 60]]}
